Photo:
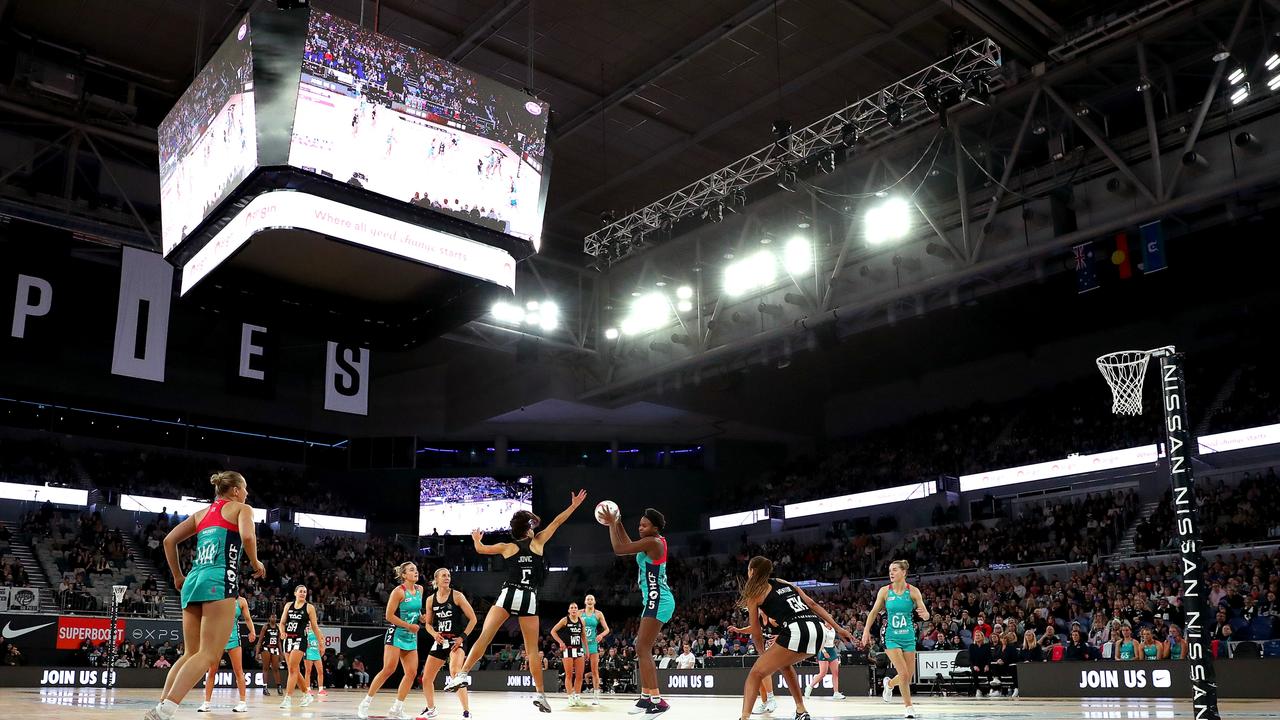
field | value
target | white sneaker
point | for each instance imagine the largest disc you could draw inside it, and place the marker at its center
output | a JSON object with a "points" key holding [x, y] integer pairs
{"points": [[771, 705], [397, 713], [808, 690], [205, 707], [460, 680], [837, 696], [909, 712], [428, 713], [1015, 692], [240, 707], [759, 709], [307, 699], [595, 697], [995, 682], [287, 703], [362, 710], [887, 694]]}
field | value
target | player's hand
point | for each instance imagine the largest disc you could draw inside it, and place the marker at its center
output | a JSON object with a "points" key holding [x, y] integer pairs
{"points": [[844, 634], [253, 637], [414, 628], [477, 535], [576, 499], [561, 646], [735, 629], [457, 643], [610, 517], [866, 640], [259, 570], [178, 580]]}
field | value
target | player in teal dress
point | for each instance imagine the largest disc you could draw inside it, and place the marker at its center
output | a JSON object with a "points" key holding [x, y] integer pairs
{"points": [[900, 602], [237, 661], [659, 604], [404, 608], [209, 589], [313, 661], [597, 629]]}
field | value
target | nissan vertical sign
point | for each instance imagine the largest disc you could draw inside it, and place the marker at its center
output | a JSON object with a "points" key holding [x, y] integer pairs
{"points": [[1173, 390]]}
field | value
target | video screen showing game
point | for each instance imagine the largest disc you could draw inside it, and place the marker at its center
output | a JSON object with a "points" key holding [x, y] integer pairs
{"points": [[208, 142], [375, 113], [458, 505]]}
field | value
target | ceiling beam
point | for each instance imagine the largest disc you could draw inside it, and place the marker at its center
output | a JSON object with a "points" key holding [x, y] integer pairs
{"points": [[1035, 17], [991, 25], [855, 51], [721, 31], [484, 28]]}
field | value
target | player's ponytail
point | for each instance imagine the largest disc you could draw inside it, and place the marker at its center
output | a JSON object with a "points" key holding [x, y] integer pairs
{"points": [[225, 481], [401, 569], [759, 569]]}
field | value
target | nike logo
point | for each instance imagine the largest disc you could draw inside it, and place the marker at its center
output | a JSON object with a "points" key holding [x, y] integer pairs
{"points": [[10, 633], [352, 644]]}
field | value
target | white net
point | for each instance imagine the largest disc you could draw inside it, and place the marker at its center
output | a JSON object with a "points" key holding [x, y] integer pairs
{"points": [[1124, 372], [118, 591]]}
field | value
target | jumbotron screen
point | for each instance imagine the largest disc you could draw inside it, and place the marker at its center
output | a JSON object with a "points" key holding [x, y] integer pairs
{"points": [[381, 115], [458, 505], [208, 142]]}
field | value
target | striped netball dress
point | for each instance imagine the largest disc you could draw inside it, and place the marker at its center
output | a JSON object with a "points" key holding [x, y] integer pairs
{"points": [[800, 630], [519, 594]]}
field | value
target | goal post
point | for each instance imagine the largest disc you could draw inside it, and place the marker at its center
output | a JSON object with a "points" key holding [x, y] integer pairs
{"points": [[1124, 372]]}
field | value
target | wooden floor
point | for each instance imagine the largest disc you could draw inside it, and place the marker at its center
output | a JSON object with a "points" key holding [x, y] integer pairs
{"points": [[99, 704]]}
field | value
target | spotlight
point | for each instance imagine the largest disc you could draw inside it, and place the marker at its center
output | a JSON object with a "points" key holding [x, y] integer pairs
{"points": [[611, 334], [754, 271], [1247, 141], [797, 257], [548, 316], [714, 212], [893, 113], [934, 249], [648, 312], [787, 178], [1221, 55], [1118, 186], [934, 103], [1039, 130], [1236, 76], [684, 292], [848, 135], [679, 339], [1240, 94], [684, 306], [782, 133], [1274, 83], [888, 220], [1144, 84], [827, 161], [978, 91], [1273, 62], [608, 217], [737, 199], [1195, 161], [506, 312]]}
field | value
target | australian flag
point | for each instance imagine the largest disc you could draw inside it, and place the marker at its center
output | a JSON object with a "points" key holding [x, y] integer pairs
{"points": [[1086, 273]]}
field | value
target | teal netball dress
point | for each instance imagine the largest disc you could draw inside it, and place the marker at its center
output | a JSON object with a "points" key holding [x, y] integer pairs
{"points": [[900, 634]]}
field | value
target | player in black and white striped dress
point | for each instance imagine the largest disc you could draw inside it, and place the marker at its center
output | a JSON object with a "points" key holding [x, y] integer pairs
{"points": [[799, 619], [449, 620], [519, 594], [573, 651]]}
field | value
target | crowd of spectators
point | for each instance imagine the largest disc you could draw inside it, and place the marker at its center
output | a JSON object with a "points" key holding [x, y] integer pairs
{"points": [[1229, 514], [436, 490], [36, 462], [388, 71]]}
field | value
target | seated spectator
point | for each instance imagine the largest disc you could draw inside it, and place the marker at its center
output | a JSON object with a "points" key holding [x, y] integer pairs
{"points": [[981, 658], [1030, 650], [1077, 647]]}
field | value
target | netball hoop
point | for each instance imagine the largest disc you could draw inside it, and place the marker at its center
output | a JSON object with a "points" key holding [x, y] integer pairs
{"points": [[1125, 372]]}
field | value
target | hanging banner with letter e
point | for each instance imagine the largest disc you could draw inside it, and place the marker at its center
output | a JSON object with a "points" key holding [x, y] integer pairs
{"points": [[142, 317], [346, 379]]}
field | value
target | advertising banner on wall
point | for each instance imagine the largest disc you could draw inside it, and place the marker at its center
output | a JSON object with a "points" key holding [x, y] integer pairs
{"points": [[1151, 679], [21, 599]]}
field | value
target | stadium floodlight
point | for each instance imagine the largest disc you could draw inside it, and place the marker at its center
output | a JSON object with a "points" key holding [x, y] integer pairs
{"points": [[684, 292], [1236, 76], [757, 270], [1240, 94], [1273, 62], [1274, 83], [611, 333], [548, 316], [797, 257], [503, 311], [888, 220], [648, 312], [531, 305], [684, 306]]}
